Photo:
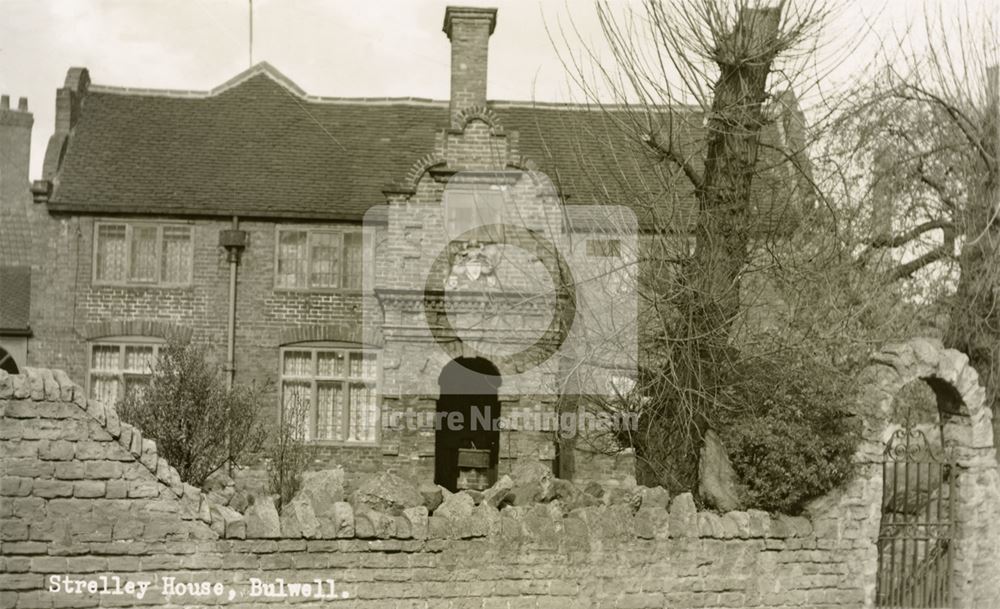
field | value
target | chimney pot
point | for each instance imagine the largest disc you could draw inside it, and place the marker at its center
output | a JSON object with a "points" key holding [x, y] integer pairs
{"points": [[22, 104], [5, 102]]}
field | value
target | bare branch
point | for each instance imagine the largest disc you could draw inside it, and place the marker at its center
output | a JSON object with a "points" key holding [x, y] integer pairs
{"points": [[884, 241], [668, 152], [906, 270]]}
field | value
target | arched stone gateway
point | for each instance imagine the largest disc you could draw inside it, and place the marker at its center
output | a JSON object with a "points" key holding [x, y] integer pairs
{"points": [[962, 437]]}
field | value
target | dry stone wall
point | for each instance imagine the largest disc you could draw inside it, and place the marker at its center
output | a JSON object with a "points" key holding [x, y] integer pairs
{"points": [[93, 517]]}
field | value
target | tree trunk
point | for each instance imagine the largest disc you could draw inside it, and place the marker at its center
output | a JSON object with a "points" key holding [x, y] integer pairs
{"points": [[734, 126], [722, 236]]}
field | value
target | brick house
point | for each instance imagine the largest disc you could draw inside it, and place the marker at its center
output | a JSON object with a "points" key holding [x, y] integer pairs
{"points": [[297, 236]]}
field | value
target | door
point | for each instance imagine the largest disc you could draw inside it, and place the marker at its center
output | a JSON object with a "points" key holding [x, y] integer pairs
{"points": [[467, 436]]}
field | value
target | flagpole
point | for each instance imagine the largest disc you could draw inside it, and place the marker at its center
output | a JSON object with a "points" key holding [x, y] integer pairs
{"points": [[251, 34]]}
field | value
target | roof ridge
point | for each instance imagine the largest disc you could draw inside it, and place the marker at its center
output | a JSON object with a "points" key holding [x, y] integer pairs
{"points": [[507, 103], [264, 68], [195, 94]]}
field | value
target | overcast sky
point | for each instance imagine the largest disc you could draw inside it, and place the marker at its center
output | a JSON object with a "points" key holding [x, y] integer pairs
{"points": [[391, 48]]}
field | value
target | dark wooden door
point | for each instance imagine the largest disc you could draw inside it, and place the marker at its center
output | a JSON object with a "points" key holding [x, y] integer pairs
{"points": [[468, 412]]}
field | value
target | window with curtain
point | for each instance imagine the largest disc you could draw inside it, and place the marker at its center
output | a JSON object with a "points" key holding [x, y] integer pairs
{"points": [[121, 368], [319, 259], [331, 392], [142, 254]]}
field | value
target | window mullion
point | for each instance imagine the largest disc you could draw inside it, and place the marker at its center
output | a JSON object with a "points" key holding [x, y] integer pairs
{"points": [[308, 278], [341, 260], [127, 273], [314, 401], [158, 254], [345, 411], [314, 432]]}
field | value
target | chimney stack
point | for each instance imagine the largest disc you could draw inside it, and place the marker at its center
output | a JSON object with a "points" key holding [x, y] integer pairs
{"points": [[16, 243], [15, 151], [468, 29]]}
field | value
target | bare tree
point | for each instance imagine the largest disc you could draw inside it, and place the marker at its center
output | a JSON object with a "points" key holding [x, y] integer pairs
{"points": [[742, 273], [925, 133], [287, 452]]}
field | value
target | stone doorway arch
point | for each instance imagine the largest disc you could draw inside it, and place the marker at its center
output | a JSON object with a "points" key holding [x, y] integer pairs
{"points": [[966, 431], [467, 436]]}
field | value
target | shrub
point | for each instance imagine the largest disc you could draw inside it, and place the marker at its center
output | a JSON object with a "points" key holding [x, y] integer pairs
{"points": [[287, 454], [199, 425], [792, 441]]}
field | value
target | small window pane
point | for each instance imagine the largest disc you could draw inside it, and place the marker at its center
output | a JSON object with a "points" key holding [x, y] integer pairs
{"points": [[330, 363], [105, 357], [364, 365], [353, 260], [363, 415], [325, 259], [298, 363], [143, 255], [111, 252], [329, 411], [292, 259], [104, 388], [139, 358], [176, 254]]}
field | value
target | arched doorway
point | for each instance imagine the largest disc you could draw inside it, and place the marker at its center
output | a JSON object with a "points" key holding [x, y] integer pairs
{"points": [[467, 435], [7, 363]]}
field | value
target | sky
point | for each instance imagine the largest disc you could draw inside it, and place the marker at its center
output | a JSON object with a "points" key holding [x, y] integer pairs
{"points": [[349, 48]]}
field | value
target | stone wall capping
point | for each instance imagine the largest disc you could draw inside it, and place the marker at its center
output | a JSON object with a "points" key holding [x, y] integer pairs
{"points": [[148, 456], [66, 386], [135, 443], [710, 525], [760, 523], [6, 385], [98, 411], [683, 516], [36, 383], [740, 521]]}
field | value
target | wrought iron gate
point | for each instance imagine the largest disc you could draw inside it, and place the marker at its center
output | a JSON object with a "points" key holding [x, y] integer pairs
{"points": [[916, 536]]}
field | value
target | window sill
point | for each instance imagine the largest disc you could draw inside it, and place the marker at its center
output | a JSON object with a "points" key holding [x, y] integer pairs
{"points": [[144, 286], [340, 444], [333, 291]]}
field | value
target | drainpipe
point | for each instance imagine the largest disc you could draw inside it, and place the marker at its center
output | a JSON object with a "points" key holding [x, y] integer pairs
{"points": [[235, 241]]}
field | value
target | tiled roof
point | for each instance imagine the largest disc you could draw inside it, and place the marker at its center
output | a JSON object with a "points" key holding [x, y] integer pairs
{"points": [[15, 297], [257, 146], [15, 233]]}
